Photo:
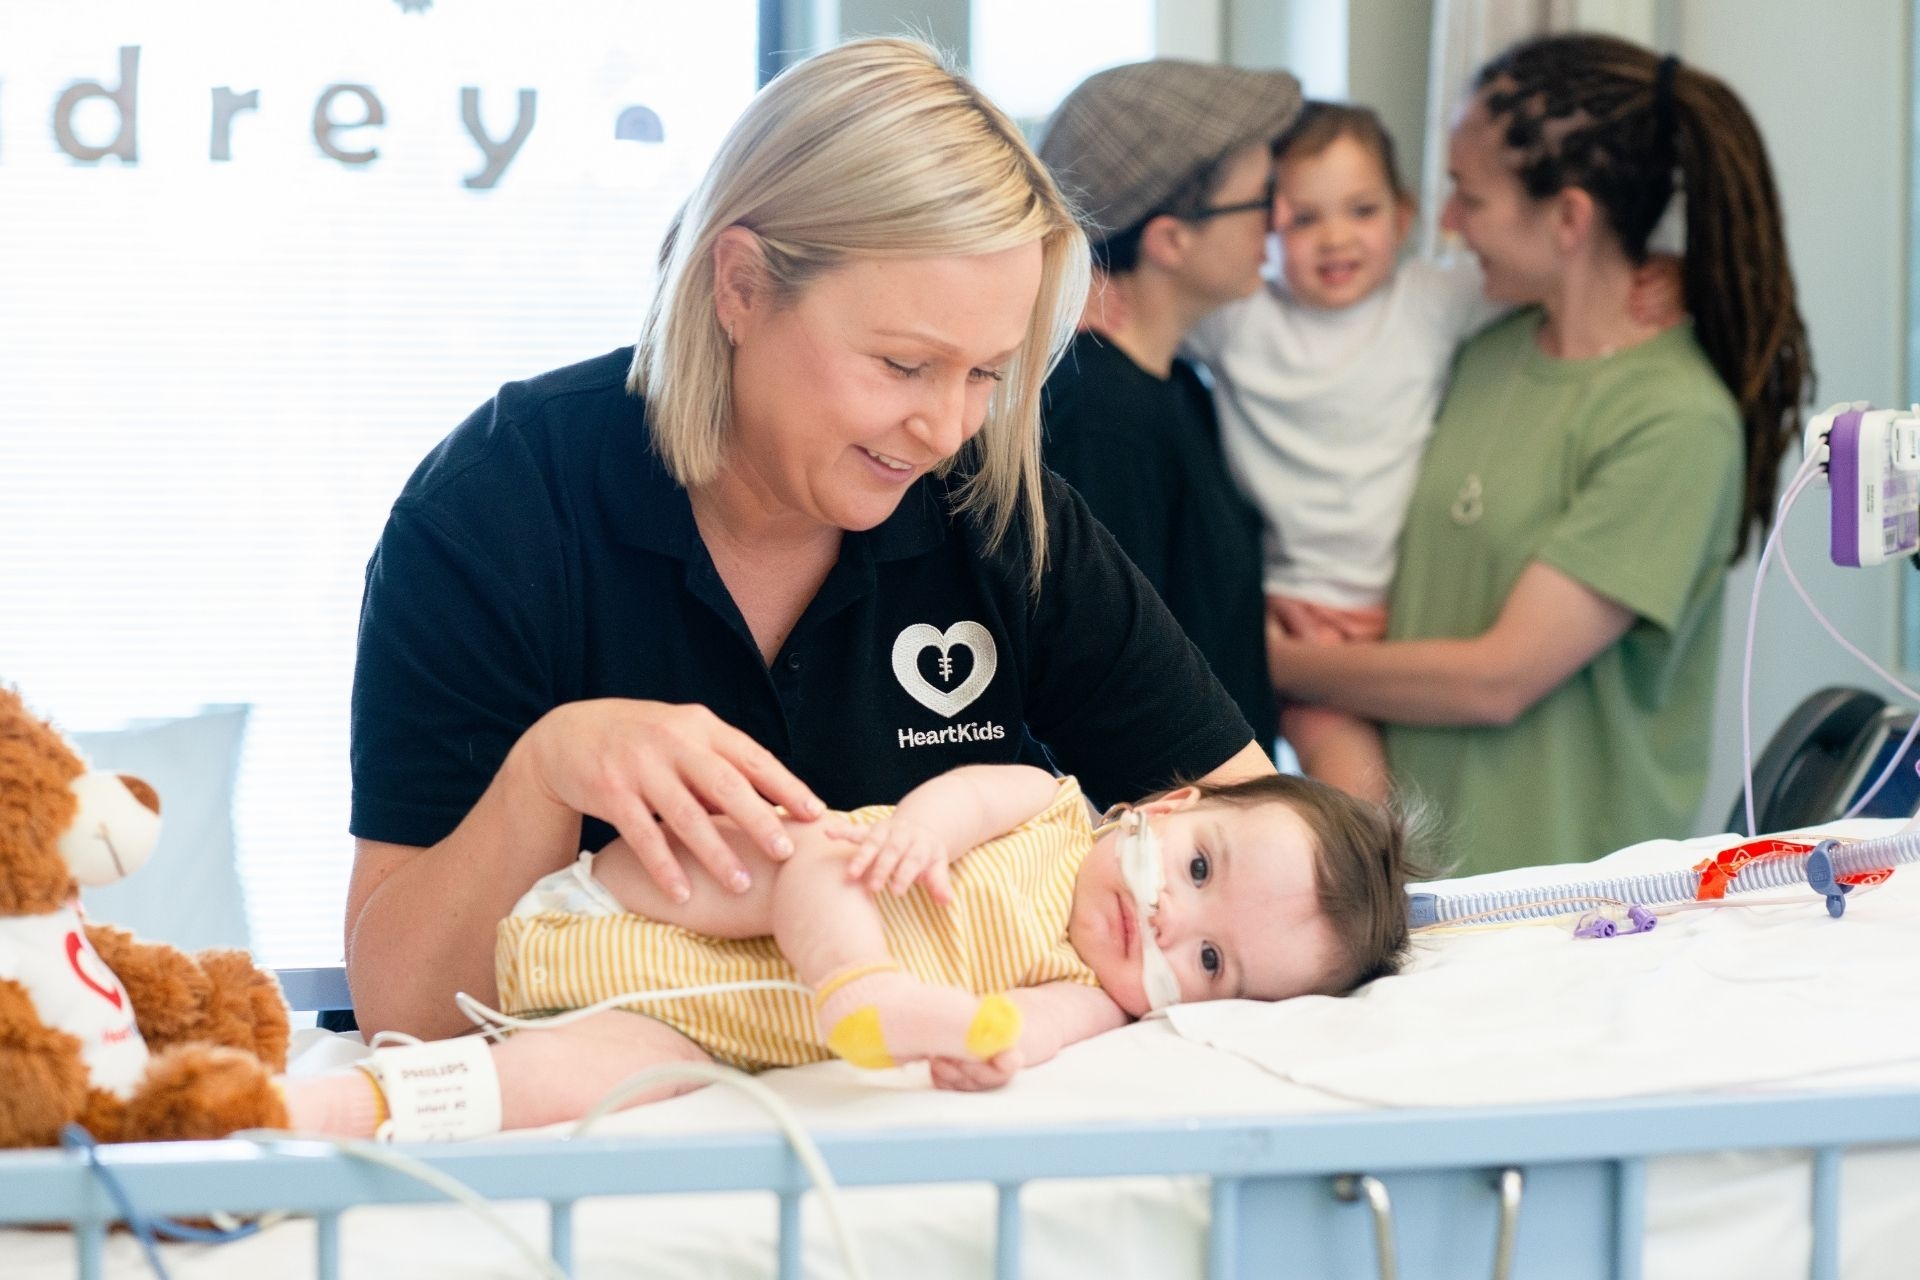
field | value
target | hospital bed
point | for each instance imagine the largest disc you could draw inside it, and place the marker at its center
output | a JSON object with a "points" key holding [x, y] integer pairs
{"points": [[1736, 1093]]}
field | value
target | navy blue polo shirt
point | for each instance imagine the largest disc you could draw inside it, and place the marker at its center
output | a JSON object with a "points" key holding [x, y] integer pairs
{"points": [[1145, 453], [541, 554]]}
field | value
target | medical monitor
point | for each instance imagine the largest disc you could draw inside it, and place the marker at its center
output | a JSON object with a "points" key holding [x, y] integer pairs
{"points": [[1878, 740]]}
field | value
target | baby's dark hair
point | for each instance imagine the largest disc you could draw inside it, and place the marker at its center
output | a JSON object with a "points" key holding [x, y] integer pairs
{"points": [[1364, 856], [1321, 124]]}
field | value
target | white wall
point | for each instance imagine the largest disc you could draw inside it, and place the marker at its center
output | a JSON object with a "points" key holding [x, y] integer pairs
{"points": [[1830, 87]]}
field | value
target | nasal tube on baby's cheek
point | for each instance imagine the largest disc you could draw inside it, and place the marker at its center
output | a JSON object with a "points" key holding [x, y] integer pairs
{"points": [[1144, 869]]}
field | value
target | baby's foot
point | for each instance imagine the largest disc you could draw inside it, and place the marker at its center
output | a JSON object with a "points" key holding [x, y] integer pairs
{"points": [[346, 1104], [877, 1016]]}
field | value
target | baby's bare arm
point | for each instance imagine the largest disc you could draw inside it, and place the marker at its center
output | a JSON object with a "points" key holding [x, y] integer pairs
{"points": [[971, 805], [1061, 1013], [939, 821]]}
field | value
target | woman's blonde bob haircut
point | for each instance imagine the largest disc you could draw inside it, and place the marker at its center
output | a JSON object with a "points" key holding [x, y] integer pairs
{"points": [[874, 149]]}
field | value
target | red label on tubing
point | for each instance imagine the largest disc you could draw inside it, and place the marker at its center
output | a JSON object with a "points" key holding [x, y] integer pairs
{"points": [[1717, 872]]}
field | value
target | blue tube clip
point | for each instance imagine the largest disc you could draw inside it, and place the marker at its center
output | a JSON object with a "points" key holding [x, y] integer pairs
{"points": [[1820, 876]]}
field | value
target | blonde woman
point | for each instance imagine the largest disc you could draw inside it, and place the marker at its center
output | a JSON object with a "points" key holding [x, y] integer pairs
{"points": [[800, 532]]}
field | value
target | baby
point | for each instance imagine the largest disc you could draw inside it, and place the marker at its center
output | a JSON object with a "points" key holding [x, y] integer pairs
{"points": [[1328, 382], [980, 925]]}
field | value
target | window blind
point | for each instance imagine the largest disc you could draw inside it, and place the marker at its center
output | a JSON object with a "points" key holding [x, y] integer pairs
{"points": [[255, 260]]}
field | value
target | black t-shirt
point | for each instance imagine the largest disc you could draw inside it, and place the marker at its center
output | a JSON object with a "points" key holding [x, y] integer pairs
{"points": [[1145, 453], [541, 555]]}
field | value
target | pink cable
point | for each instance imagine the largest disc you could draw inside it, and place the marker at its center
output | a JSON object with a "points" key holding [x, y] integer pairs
{"points": [[1867, 796], [1800, 480], [1803, 477]]}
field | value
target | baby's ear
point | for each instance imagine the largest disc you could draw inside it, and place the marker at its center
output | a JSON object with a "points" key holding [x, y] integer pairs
{"points": [[1173, 801]]}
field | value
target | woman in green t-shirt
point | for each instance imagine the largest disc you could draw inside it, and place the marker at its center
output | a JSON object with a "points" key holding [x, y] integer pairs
{"points": [[1548, 674]]}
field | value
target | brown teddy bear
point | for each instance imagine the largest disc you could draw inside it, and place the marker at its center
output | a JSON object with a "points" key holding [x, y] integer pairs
{"points": [[134, 1040]]}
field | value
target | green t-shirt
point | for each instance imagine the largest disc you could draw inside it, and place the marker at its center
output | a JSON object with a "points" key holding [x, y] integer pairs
{"points": [[1625, 473]]}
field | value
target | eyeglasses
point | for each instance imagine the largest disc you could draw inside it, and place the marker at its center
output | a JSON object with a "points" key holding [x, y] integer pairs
{"points": [[1262, 205]]}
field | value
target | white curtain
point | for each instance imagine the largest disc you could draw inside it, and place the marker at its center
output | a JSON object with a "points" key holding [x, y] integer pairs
{"points": [[1466, 33]]}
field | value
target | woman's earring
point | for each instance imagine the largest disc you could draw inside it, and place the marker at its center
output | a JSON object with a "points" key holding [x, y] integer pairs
{"points": [[730, 338]]}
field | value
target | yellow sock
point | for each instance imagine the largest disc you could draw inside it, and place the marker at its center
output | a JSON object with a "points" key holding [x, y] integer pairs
{"points": [[995, 1028], [876, 1016], [858, 1038]]}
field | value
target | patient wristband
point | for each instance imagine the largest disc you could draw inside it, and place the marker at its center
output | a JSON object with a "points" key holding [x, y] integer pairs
{"points": [[438, 1091]]}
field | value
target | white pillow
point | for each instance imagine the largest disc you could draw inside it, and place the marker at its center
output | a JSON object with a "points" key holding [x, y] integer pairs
{"points": [[189, 892]]}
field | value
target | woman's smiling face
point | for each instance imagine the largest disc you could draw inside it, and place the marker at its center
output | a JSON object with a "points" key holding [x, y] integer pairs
{"points": [[874, 375], [1239, 916], [1508, 231]]}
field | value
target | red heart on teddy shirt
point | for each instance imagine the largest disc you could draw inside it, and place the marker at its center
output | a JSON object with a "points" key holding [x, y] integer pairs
{"points": [[74, 947]]}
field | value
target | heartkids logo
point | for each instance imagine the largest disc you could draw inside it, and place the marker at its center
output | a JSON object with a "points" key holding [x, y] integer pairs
{"points": [[950, 692]]}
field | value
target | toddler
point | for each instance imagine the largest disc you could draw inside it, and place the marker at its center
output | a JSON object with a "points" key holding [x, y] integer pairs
{"points": [[1328, 382], [981, 925]]}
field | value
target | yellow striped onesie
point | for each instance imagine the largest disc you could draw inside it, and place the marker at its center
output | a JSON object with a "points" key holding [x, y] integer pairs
{"points": [[1006, 928]]}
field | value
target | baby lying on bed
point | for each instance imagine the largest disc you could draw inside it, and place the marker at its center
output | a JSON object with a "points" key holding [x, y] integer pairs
{"points": [[980, 925]]}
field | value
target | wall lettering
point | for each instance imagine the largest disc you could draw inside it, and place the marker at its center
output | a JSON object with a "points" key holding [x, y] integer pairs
{"points": [[333, 120]]}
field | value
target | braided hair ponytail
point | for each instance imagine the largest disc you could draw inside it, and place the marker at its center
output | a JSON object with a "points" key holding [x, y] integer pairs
{"points": [[1611, 118]]}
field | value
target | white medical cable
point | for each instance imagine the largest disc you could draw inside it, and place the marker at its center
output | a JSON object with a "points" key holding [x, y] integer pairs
{"points": [[1801, 478], [446, 1184], [381, 1039], [769, 1101], [492, 1022], [1899, 755]]}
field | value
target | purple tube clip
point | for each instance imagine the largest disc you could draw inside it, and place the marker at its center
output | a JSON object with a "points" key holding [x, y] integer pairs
{"points": [[1643, 919], [1595, 925]]}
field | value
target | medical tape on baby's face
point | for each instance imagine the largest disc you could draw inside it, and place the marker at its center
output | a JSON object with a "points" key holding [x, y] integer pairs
{"points": [[1144, 868]]}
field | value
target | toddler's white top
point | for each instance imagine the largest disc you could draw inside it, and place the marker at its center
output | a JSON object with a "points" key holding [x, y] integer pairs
{"points": [[1324, 415]]}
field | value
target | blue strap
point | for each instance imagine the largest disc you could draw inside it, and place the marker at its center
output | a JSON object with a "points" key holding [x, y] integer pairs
{"points": [[147, 1230]]}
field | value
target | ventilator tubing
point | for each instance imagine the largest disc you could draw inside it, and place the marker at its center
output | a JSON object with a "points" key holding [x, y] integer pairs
{"points": [[1539, 902]]}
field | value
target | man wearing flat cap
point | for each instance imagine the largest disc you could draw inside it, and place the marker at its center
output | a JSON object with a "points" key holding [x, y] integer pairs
{"points": [[1170, 165]]}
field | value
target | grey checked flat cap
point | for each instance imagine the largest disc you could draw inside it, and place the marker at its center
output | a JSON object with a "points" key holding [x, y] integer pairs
{"points": [[1130, 137]]}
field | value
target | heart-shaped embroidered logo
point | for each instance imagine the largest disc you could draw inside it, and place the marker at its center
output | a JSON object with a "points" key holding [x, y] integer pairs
{"points": [[972, 637], [75, 946]]}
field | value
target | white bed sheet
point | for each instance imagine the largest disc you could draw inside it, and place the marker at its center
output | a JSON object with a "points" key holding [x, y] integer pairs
{"points": [[1718, 1215], [1720, 999]]}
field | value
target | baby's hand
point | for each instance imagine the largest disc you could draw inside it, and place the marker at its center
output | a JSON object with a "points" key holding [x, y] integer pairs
{"points": [[893, 853], [970, 1075]]}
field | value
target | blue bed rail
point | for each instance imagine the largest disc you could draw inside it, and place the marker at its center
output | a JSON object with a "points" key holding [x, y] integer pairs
{"points": [[315, 990], [1416, 1195]]}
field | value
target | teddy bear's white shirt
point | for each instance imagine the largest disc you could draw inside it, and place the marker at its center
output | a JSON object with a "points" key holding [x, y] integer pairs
{"points": [[75, 992]]}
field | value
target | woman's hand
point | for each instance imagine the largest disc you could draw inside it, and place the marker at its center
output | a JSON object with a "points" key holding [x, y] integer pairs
{"points": [[640, 765]]}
